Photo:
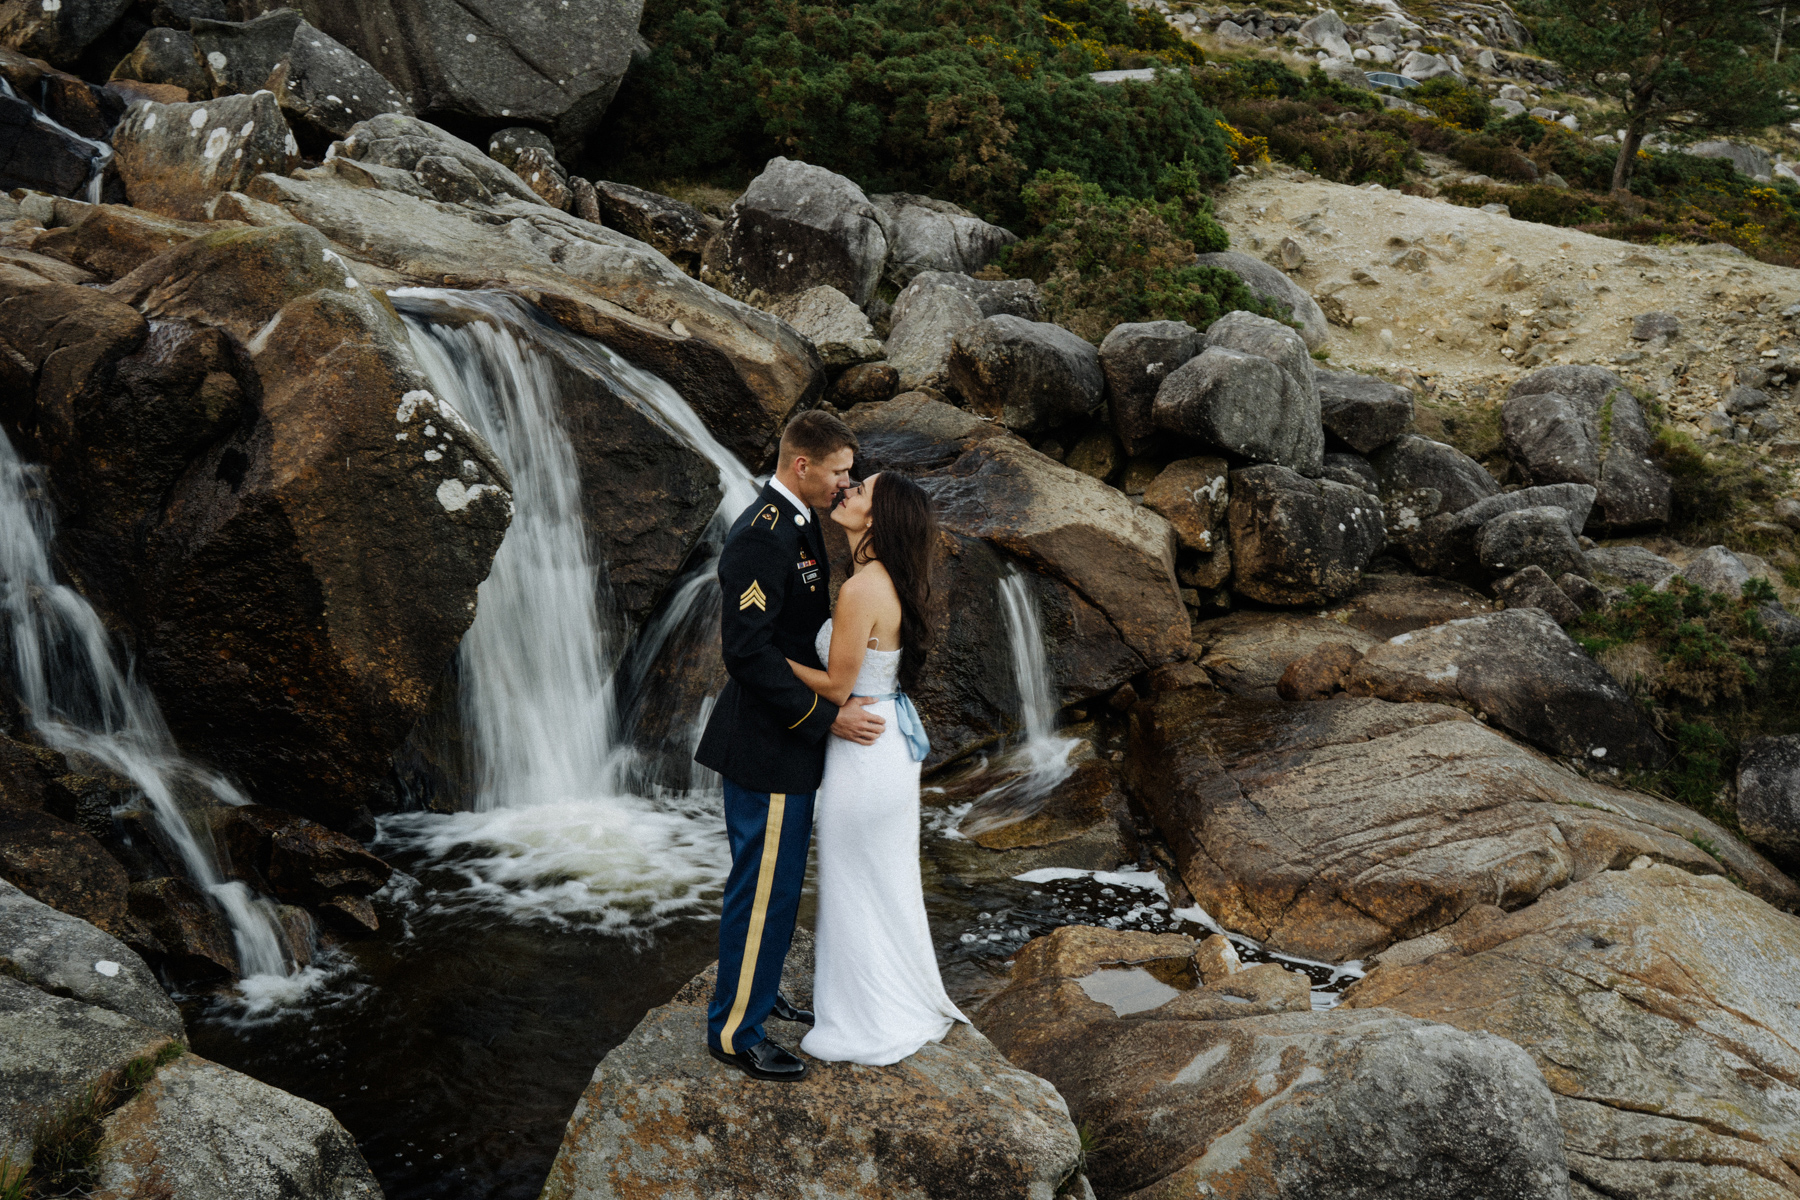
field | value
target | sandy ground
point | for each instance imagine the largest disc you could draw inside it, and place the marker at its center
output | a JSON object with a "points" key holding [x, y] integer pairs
{"points": [[1442, 283]]}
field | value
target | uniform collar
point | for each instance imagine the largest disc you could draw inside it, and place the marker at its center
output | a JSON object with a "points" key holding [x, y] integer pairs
{"points": [[805, 511]]}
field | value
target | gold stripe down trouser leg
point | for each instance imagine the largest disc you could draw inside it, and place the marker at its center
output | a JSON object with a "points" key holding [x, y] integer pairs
{"points": [[765, 882]]}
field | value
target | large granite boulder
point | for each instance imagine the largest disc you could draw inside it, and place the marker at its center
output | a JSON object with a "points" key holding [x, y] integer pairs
{"points": [[936, 306], [1193, 495], [1362, 411], [1269, 285], [934, 235], [1031, 376], [1296, 540], [1332, 829], [955, 1120], [1136, 357], [1659, 1005], [743, 370], [205, 1132], [294, 575], [836, 327], [174, 158], [166, 58], [679, 230], [1190, 1082], [1099, 569], [798, 226], [1412, 464], [1445, 544], [1524, 674], [555, 64], [1572, 424], [1530, 537], [324, 88], [1250, 393]]}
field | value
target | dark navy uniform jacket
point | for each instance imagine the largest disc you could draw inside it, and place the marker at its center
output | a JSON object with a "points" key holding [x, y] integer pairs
{"points": [[768, 730]]}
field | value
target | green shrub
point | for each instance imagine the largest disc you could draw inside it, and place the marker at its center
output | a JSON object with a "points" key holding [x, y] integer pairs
{"points": [[1457, 103], [961, 99], [1106, 259], [1299, 133], [1487, 154], [1709, 485]]}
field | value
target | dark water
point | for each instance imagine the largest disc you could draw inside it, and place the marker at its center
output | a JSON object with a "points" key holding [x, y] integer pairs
{"points": [[455, 1044]]}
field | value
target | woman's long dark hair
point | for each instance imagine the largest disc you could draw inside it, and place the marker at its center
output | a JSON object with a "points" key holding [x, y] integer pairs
{"points": [[903, 537]]}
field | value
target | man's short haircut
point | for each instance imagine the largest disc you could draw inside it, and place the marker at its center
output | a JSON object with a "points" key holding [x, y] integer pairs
{"points": [[816, 434]]}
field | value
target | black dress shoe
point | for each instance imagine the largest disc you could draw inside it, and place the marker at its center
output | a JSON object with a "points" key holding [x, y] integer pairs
{"points": [[765, 1060], [786, 1011]]}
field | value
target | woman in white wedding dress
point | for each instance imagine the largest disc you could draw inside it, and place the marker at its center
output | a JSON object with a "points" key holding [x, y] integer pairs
{"points": [[876, 988]]}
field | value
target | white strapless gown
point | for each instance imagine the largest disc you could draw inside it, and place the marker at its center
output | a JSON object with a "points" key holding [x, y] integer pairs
{"points": [[876, 988]]}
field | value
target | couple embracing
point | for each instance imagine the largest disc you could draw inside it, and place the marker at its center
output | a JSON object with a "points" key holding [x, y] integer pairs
{"points": [[814, 727]]}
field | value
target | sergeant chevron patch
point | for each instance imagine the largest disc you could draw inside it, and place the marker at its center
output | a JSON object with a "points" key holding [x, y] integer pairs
{"points": [[753, 595]]}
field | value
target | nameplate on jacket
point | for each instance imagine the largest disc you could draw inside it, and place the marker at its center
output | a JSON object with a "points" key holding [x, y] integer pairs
{"points": [[809, 570]]}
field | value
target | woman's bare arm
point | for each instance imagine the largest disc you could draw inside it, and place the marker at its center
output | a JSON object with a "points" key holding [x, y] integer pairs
{"points": [[851, 625]]}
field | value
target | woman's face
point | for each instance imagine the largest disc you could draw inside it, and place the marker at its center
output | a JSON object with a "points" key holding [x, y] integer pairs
{"points": [[852, 509]]}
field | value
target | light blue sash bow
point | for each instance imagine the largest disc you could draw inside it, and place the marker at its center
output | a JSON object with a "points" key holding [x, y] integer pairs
{"points": [[911, 728]]}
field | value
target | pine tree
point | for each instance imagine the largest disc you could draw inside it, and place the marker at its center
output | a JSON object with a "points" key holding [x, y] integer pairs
{"points": [[1690, 66]]}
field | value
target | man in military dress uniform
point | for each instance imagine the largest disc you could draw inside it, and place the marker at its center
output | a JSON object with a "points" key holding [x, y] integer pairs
{"points": [[767, 733]]}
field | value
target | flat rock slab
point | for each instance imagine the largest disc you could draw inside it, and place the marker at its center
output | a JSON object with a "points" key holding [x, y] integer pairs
{"points": [[201, 1131], [1182, 1100], [661, 1119], [1660, 1007], [1389, 605], [1332, 829]]}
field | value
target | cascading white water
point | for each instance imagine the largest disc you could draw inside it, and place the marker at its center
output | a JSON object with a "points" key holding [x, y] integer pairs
{"points": [[557, 830], [1039, 760], [80, 701], [103, 152]]}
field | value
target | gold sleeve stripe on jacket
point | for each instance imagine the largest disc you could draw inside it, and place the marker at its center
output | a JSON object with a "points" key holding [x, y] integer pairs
{"points": [[809, 712], [759, 911]]}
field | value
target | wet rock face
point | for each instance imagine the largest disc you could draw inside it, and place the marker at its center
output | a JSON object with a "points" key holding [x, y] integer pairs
{"points": [[1335, 828], [551, 63], [1101, 569], [1135, 358], [1570, 424], [176, 157], [1299, 541], [297, 860], [799, 225], [267, 524], [1030, 376], [207, 1132], [743, 370], [1362, 411], [1658, 1005], [1525, 674], [37, 156], [1195, 1098], [660, 1117]]}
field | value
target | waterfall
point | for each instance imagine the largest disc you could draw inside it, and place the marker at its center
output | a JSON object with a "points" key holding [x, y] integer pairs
{"points": [[1039, 760], [80, 701], [103, 153], [564, 825]]}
